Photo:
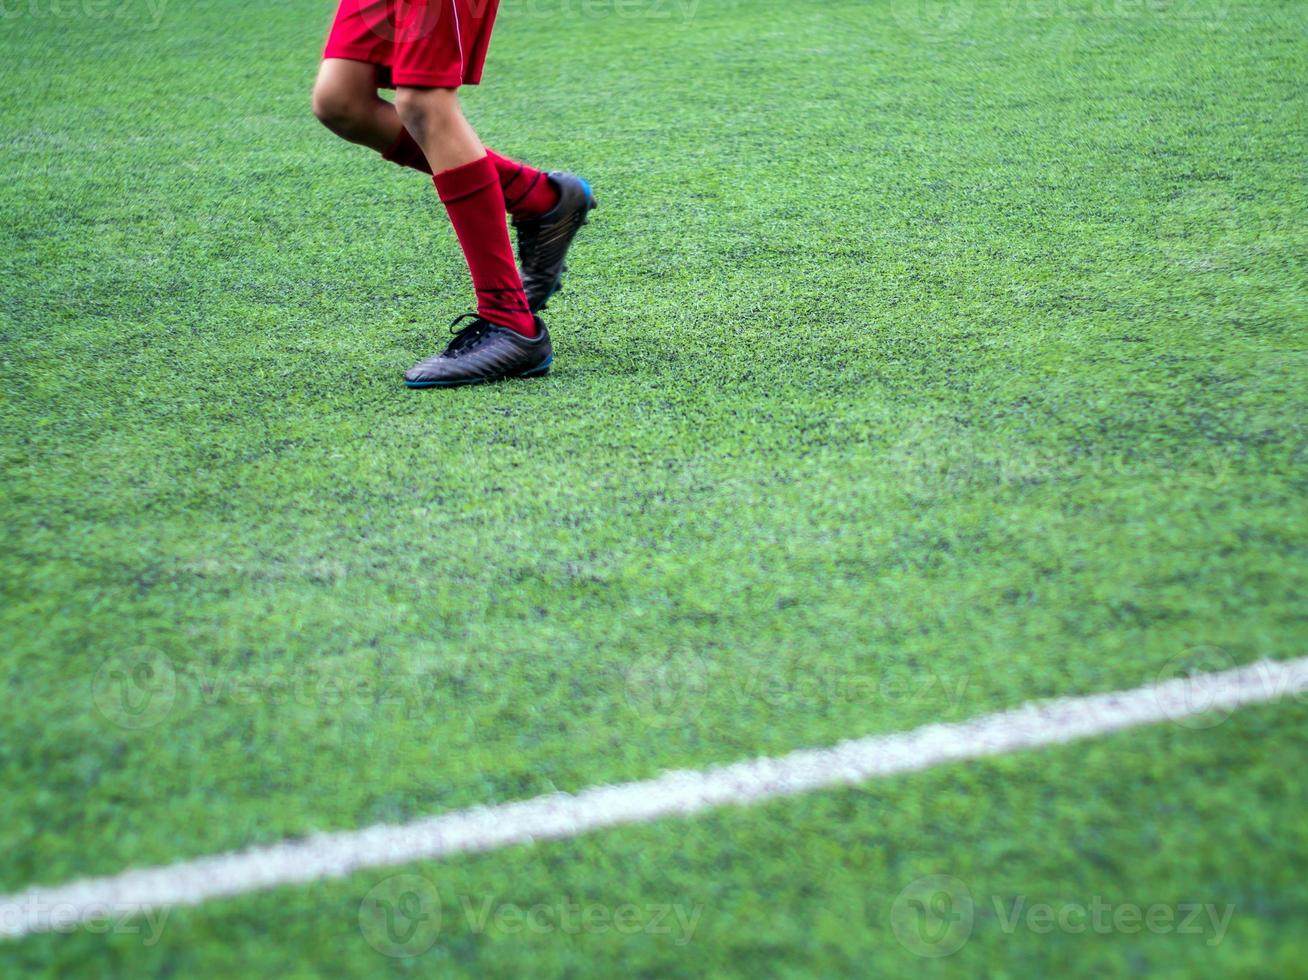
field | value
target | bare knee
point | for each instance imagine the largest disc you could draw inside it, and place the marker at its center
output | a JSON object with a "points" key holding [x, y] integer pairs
{"points": [[428, 113], [340, 109]]}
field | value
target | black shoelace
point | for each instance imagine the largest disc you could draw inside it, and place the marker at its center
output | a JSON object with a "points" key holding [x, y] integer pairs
{"points": [[468, 337]]}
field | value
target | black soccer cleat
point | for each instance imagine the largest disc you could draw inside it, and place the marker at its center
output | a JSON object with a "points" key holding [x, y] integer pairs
{"points": [[543, 242], [484, 351]]}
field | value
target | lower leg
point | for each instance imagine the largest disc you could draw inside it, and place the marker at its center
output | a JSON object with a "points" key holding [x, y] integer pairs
{"points": [[345, 100], [528, 193], [468, 184], [436, 120]]}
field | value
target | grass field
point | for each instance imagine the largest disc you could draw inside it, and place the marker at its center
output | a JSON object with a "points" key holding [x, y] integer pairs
{"points": [[921, 360]]}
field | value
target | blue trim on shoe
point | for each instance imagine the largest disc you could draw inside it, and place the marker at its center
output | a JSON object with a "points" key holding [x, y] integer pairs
{"points": [[538, 371]]}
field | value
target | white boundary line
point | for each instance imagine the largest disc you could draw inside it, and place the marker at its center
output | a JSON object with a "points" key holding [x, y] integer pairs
{"points": [[334, 855]]}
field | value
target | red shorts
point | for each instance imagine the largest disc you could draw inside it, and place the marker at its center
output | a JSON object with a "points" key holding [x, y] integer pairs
{"points": [[419, 43]]}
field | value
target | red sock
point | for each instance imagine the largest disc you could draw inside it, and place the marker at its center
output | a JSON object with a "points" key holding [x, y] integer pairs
{"points": [[406, 152], [473, 198], [528, 193]]}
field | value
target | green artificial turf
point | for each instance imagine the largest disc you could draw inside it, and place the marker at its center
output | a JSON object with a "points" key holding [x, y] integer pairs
{"points": [[1170, 819], [921, 360]]}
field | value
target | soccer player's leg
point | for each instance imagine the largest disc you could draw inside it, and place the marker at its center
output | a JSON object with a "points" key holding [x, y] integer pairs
{"points": [[504, 338], [345, 100], [357, 60], [548, 210]]}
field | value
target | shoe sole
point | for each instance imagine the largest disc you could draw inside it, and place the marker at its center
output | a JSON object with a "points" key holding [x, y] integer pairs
{"points": [[536, 372], [591, 205]]}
